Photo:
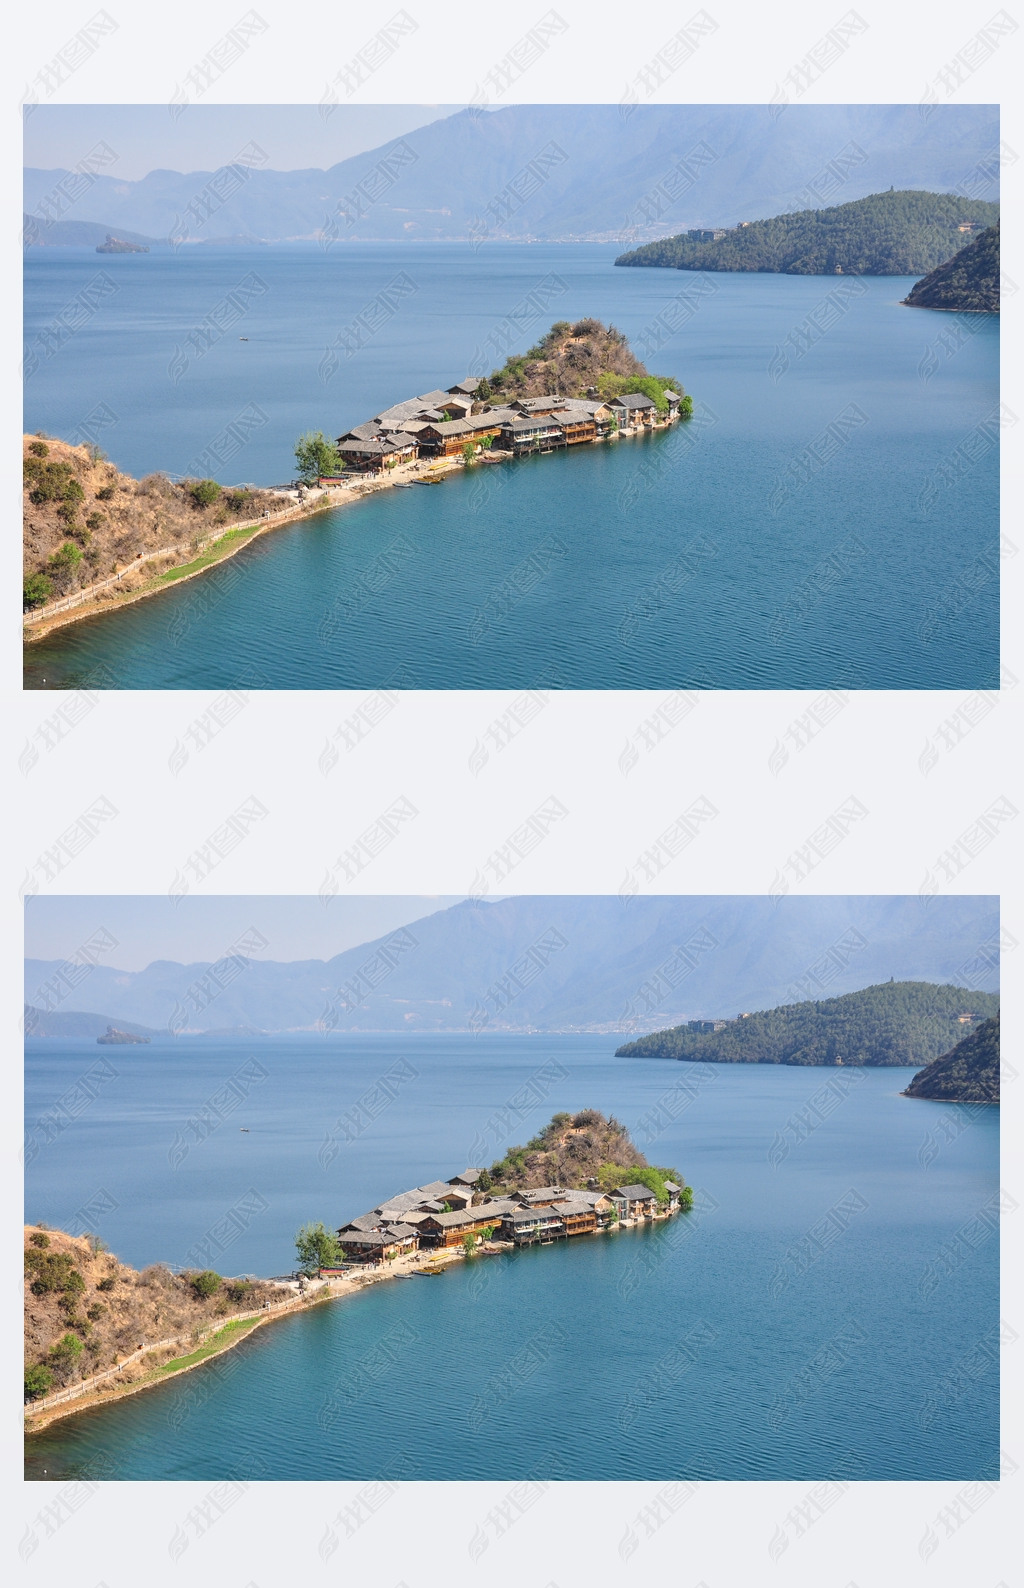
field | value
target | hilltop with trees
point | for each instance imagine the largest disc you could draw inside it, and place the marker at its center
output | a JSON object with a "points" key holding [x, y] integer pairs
{"points": [[576, 360], [886, 234], [85, 520], [969, 1073], [577, 1151], [969, 282], [908, 1022]]}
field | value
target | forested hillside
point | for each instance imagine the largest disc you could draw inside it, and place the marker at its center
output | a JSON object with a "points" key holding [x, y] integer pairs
{"points": [[886, 234], [909, 1022], [968, 1074], [969, 282]]}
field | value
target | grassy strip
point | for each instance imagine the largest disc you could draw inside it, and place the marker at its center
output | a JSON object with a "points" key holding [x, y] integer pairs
{"points": [[210, 1346], [214, 554]]}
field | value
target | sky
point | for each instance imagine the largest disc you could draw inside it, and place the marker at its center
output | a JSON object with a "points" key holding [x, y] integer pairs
{"points": [[205, 137], [153, 927]]}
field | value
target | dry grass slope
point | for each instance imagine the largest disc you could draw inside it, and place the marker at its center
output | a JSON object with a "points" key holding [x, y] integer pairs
{"points": [[85, 1310], [84, 520]]}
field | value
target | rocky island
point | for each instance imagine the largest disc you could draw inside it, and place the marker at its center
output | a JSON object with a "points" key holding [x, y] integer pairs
{"points": [[117, 245], [969, 1073], [115, 1037]]}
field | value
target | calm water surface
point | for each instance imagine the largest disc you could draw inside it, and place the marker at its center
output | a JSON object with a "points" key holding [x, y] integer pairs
{"points": [[755, 548], [732, 1341]]}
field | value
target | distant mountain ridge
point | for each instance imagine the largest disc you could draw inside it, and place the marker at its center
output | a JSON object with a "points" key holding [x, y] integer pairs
{"points": [[559, 963], [560, 172], [884, 234], [78, 234], [892, 1023], [77, 1023]]}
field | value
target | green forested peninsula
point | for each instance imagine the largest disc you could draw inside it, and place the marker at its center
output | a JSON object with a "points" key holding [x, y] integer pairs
{"points": [[969, 282], [968, 1074], [896, 1022], [886, 234]]}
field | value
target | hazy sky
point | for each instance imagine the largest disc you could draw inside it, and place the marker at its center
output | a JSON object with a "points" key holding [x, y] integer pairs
{"points": [[151, 927], [208, 136]]}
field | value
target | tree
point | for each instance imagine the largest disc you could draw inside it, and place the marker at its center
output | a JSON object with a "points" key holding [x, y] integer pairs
{"points": [[65, 1356], [63, 565], [203, 492], [38, 1380], [317, 1248], [469, 451], [315, 455], [468, 1244], [36, 590], [205, 1284]]}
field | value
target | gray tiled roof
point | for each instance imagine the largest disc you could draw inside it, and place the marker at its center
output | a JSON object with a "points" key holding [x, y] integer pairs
{"points": [[363, 1224], [633, 1192], [634, 399], [452, 1221]]}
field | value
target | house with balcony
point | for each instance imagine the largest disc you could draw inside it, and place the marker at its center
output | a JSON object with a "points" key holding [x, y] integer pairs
{"points": [[634, 410], [634, 1202]]}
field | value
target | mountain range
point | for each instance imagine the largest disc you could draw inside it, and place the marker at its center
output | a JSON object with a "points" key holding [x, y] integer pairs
{"points": [[559, 172], [554, 964]]}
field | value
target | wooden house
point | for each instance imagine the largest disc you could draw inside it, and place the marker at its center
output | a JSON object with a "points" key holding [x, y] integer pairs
{"points": [[577, 1217], [378, 1246], [634, 409], [381, 452], [451, 1229], [524, 435], [529, 1226], [446, 438], [634, 1201], [538, 1196]]}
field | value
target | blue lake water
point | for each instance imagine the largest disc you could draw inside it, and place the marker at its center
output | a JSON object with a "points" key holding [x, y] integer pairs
{"points": [[803, 1322], [784, 539]]}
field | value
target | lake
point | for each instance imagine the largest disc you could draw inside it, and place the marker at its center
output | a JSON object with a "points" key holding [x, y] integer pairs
{"points": [[807, 1320], [828, 519]]}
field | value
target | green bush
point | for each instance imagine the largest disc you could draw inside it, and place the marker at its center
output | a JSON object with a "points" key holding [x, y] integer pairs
{"points": [[105, 493], [53, 1271], [39, 449], [238, 1289], [108, 1283], [205, 1284], [203, 492], [94, 521], [65, 1356], [39, 1240], [38, 1380]]}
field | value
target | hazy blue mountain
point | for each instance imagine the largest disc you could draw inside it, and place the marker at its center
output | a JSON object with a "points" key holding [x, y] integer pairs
{"points": [[78, 234], [597, 172], [557, 963], [76, 1023]]}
